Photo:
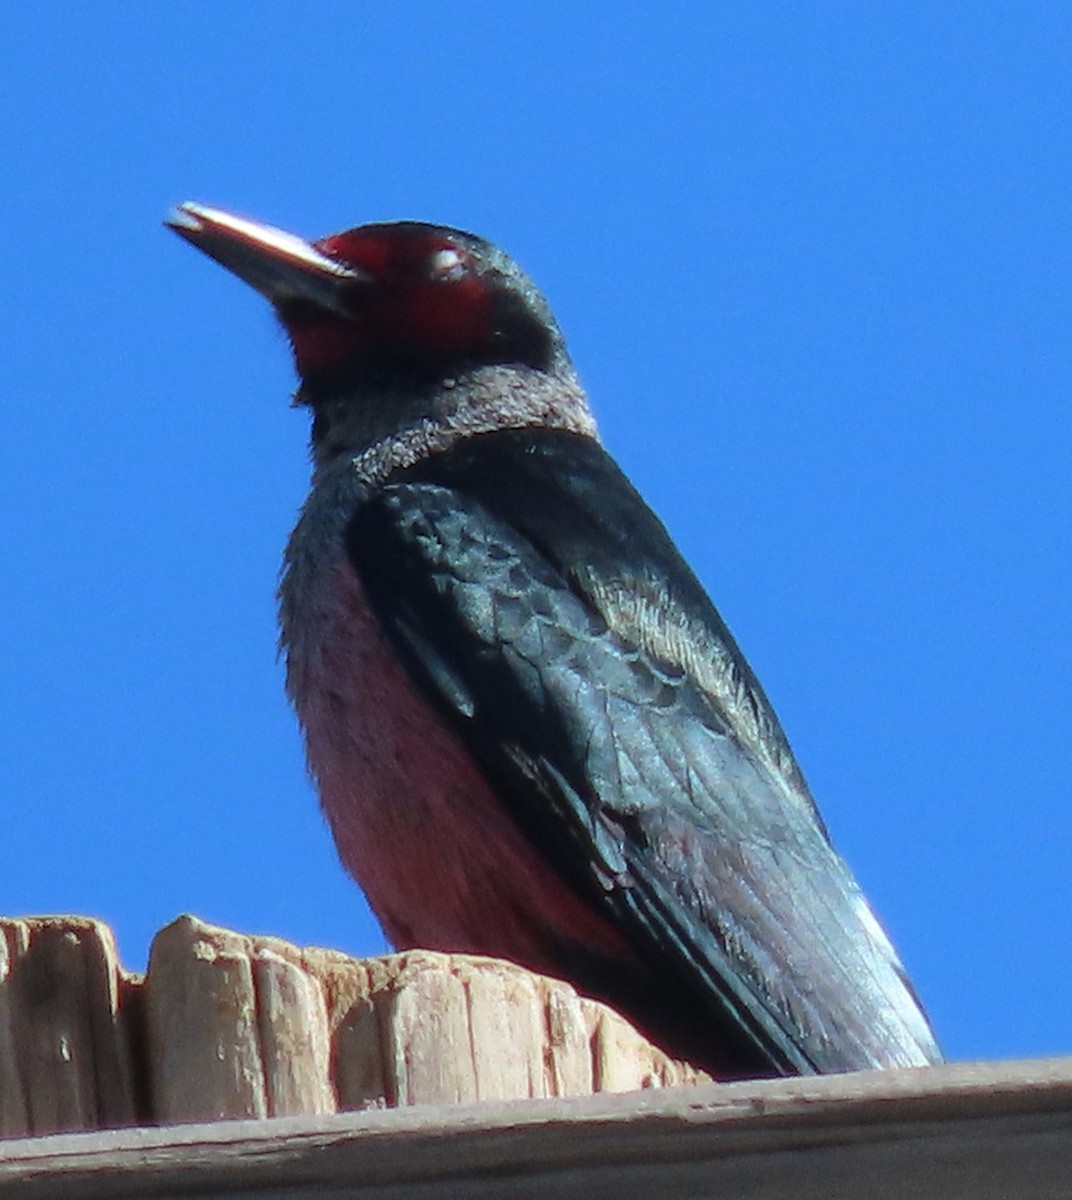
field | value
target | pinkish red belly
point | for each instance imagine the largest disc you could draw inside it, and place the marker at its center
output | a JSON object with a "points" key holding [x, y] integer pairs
{"points": [[441, 862]]}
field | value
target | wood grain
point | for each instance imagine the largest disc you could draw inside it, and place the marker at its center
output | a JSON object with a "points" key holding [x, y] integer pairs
{"points": [[65, 1059], [226, 1026], [960, 1132]]}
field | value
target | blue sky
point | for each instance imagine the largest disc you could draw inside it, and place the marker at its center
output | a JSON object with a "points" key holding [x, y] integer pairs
{"points": [[813, 262]]}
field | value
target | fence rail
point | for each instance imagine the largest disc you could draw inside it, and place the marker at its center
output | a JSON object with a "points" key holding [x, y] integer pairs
{"points": [[961, 1132]]}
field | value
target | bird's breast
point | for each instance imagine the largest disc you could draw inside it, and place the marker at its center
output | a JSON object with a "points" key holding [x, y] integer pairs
{"points": [[437, 853]]}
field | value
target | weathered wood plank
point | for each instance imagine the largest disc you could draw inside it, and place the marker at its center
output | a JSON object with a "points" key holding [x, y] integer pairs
{"points": [[247, 1027], [65, 1051], [569, 1044], [292, 1025], [14, 1112], [205, 1060], [227, 1026], [510, 1051], [984, 1131]]}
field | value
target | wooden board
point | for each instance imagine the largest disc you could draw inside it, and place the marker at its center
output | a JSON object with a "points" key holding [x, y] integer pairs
{"points": [[984, 1132], [66, 1028]]}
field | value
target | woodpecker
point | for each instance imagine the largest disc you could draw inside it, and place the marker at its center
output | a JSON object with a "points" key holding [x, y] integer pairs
{"points": [[532, 734]]}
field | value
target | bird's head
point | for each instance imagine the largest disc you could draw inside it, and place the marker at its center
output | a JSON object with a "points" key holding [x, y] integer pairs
{"points": [[394, 300], [401, 327]]}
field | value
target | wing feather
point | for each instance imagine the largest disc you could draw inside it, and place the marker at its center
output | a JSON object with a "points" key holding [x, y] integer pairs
{"points": [[545, 610]]}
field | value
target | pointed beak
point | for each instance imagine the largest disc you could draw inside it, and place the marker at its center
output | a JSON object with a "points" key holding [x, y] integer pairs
{"points": [[280, 265]]}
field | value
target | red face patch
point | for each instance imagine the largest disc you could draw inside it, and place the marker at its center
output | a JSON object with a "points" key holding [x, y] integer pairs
{"points": [[426, 301]]}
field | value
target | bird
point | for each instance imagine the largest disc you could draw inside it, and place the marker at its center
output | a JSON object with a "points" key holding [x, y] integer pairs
{"points": [[533, 735]]}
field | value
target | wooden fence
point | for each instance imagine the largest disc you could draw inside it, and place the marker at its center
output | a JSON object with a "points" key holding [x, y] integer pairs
{"points": [[225, 1026], [467, 1077]]}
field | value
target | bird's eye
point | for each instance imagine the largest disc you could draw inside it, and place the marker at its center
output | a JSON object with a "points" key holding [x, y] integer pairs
{"points": [[446, 265]]}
